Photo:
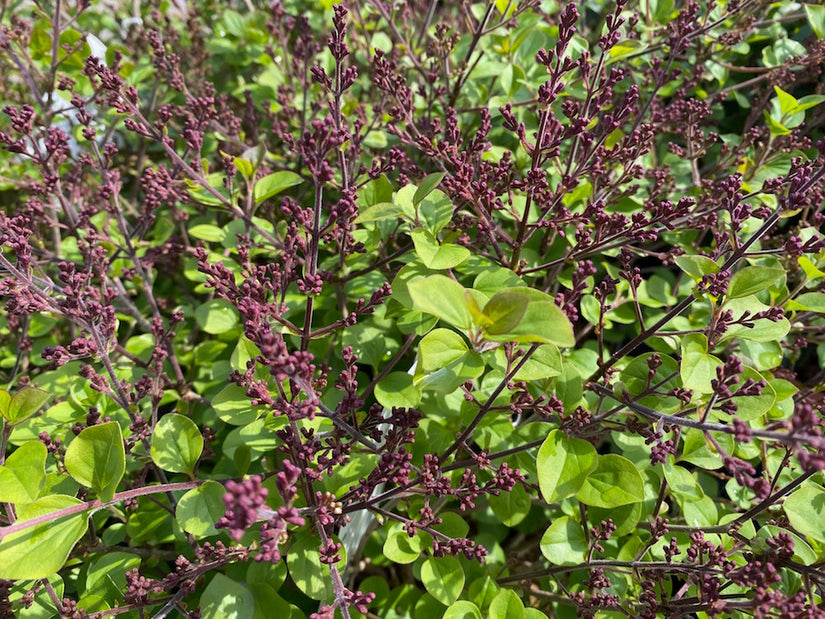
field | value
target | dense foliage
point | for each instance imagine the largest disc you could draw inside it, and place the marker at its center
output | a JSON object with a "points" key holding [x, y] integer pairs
{"points": [[501, 309]]}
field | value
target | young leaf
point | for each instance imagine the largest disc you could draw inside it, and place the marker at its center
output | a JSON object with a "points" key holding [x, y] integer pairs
{"points": [[816, 17], [199, 509], [506, 605], [233, 406], [545, 362], [696, 266], [401, 548], [563, 464], [511, 507], [397, 389], [437, 256], [379, 212], [698, 368], [41, 550], [563, 543], [216, 316], [443, 577], [96, 458], [447, 379], [176, 443], [787, 102], [439, 348], [442, 297], [751, 280], [505, 310], [25, 403], [426, 186], [462, 609], [616, 481], [224, 597], [542, 321], [273, 184], [305, 567], [23, 476], [805, 509]]}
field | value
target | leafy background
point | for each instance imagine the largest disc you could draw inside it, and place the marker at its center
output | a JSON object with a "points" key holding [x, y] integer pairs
{"points": [[505, 309]]}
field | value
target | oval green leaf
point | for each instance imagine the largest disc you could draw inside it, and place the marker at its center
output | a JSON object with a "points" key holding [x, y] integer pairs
{"points": [[96, 458], [616, 481], [176, 443], [563, 464]]}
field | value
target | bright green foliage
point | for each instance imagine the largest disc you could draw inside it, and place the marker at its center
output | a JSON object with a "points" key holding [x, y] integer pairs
{"points": [[176, 444], [199, 509], [563, 465], [96, 458], [615, 481], [23, 476], [41, 550], [443, 577]]}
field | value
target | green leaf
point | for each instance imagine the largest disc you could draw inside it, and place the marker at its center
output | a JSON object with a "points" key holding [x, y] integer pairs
{"points": [[563, 464], [511, 507], [462, 610], [816, 17], [808, 102], [696, 266], [397, 389], [244, 166], [176, 443], [753, 406], [400, 548], [698, 450], [379, 212], [439, 348], [273, 184], [259, 437], [441, 297], [435, 256], [810, 269], [443, 577], [199, 509], [5, 401], [545, 362], [305, 567], [25, 403], [224, 598], [616, 481], [810, 301], [787, 102], [506, 605], [41, 550], [505, 311], [96, 458], [447, 379], [697, 368], [435, 211], [208, 232], [563, 543], [234, 408], [376, 191], [216, 316], [426, 186], [624, 49], [682, 482], [751, 280], [23, 476], [805, 509], [542, 322]]}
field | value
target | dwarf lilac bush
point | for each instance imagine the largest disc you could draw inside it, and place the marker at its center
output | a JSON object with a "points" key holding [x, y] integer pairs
{"points": [[507, 309]]}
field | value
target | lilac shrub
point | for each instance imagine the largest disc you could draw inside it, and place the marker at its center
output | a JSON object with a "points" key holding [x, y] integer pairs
{"points": [[412, 309]]}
